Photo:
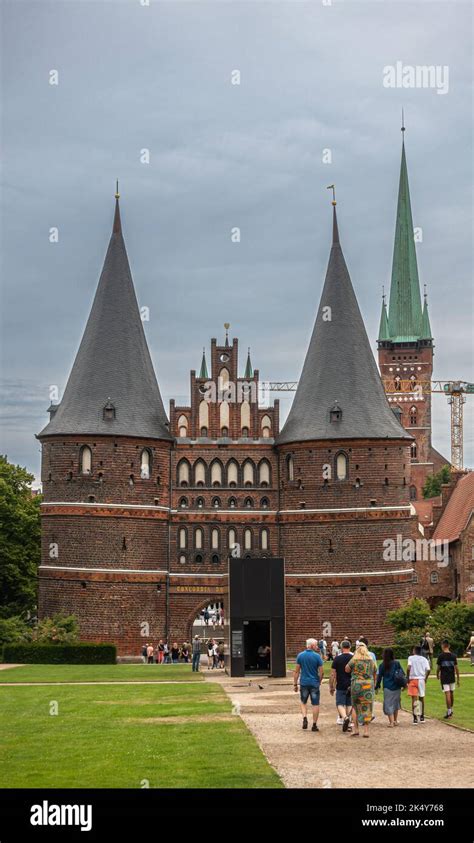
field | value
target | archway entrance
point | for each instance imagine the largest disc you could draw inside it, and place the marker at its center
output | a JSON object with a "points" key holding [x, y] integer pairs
{"points": [[210, 624]]}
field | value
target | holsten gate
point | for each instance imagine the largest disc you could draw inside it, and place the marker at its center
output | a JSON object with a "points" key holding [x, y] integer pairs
{"points": [[141, 512]]}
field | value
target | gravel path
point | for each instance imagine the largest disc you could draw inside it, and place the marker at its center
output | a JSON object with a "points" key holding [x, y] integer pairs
{"points": [[428, 755]]}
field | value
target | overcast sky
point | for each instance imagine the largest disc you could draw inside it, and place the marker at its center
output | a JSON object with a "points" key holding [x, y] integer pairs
{"points": [[159, 77]]}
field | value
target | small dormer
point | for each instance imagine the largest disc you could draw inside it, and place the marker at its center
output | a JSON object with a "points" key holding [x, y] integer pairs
{"points": [[108, 413], [335, 413], [52, 409], [397, 412]]}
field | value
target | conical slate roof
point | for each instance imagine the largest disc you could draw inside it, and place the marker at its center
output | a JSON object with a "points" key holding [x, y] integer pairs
{"points": [[113, 365], [339, 371]]}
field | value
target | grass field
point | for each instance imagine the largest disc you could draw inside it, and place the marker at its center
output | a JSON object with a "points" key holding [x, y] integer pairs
{"points": [[435, 705], [124, 736], [100, 673]]}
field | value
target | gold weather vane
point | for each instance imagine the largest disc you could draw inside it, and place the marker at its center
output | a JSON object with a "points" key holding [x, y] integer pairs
{"points": [[227, 326], [117, 194], [333, 188]]}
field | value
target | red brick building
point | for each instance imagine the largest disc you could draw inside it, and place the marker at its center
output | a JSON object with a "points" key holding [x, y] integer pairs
{"points": [[140, 513]]}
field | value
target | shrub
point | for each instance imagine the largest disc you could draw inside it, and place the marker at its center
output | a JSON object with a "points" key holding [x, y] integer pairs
{"points": [[416, 613], [36, 653]]}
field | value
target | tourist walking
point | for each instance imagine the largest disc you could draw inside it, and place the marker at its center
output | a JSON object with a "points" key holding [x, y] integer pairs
{"points": [[390, 672], [149, 653], [175, 653], [145, 653], [220, 654], [427, 647], [166, 653], [364, 640], [335, 649], [470, 647], [309, 671], [161, 652], [446, 673], [196, 653], [340, 684], [363, 672], [209, 646], [418, 670], [185, 652]]}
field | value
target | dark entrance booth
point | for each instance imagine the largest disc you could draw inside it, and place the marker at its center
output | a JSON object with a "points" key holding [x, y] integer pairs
{"points": [[257, 617]]}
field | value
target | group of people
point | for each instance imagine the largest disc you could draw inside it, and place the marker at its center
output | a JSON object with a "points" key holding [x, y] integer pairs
{"points": [[165, 653], [213, 615], [215, 654], [356, 678]]}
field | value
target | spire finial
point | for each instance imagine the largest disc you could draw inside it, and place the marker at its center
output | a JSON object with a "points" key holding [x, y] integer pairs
{"points": [[383, 293], [117, 194], [333, 188], [425, 294], [403, 121], [227, 326]]}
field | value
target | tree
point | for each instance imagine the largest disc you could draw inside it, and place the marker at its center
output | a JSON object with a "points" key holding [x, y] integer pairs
{"points": [[433, 482], [412, 615], [19, 540]]}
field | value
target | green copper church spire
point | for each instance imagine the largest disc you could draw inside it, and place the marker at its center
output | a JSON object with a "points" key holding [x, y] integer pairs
{"points": [[204, 373], [425, 325], [248, 374], [383, 328], [405, 313]]}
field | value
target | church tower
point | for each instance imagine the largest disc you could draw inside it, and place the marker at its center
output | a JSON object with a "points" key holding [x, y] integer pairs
{"points": [[106, 474], [405, 344]]}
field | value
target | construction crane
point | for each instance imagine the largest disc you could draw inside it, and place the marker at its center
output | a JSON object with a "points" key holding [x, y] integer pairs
{"points": [[454, 390]]}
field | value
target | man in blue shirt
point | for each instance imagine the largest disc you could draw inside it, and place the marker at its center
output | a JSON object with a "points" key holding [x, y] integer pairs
{"points": [[309, 670]]}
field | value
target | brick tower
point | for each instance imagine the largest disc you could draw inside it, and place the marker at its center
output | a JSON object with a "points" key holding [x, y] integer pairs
{"points": [[405, 344], [106, 473], [344, 465]]}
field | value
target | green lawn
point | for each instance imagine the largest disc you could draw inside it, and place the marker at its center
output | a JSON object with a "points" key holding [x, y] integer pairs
{"points": [[99, 673], [106, 736], [435, 705]]}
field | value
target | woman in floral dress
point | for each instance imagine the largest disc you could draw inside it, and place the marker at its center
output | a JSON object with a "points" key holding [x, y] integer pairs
{"points": [[363, 672]]}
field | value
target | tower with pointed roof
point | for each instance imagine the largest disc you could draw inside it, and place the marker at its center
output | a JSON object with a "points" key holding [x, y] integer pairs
{"points": [[405, 343], [105, 471], [344, 462]]}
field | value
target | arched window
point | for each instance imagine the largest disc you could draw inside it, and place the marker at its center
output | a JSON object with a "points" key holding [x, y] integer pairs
{"points": [[413, 415], [182, 426], [215, 538], [232, 503], [183, 503], [216, 502], [245, 432], [200, 503], [203, 416], [266, 427], [182, 538], [264, 473], [232, 473], [203, 431], [248, 539], [248, 503], [341, 466], [145, 464], [183, 473], [434, 577], [290, 468], [245, 417], [264, 539], [248, 473], [264, 503], [231, 538], [224, 418], [199, 473], [198, 538], [85, 460], [216, 473], [413, 451], [413, 493], [182, 558]]}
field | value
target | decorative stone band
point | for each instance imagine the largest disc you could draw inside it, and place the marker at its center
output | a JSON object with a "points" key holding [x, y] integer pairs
{"points": [[104, 510]]}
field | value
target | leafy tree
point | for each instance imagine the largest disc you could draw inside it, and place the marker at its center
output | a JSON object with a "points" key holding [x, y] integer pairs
{"points": [[19, 540], [433, 482], [59, 629], [414, 614], [14, 630]]}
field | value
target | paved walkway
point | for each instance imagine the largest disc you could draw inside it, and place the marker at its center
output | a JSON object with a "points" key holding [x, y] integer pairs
{"points": [[428, 755]]}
